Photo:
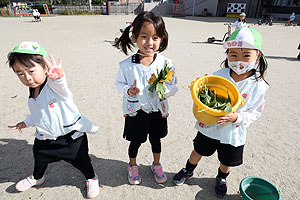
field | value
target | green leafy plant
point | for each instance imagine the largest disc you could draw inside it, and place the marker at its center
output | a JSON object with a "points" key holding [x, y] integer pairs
{"points": [[210, 99], [4, 3], [157, 83]]}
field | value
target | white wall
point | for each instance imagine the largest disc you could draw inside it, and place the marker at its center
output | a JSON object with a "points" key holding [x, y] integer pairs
{"points": [[211, 6], [166, 8]]}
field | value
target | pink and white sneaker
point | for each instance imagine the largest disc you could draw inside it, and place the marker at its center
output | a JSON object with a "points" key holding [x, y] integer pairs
{"points": [[133, 175], [92, 186], [159, 174], [28, 182]]}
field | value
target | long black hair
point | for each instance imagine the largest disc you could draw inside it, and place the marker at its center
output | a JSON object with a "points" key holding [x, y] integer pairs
{"points": [[125, 42], [262, 67]]}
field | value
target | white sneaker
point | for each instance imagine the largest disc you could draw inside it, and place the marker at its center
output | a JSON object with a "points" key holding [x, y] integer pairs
{"points": [[28, 182], [92, 187]]}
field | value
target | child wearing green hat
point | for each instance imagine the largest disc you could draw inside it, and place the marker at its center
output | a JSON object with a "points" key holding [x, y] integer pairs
{"points": [[60, 127], [245, 67]]}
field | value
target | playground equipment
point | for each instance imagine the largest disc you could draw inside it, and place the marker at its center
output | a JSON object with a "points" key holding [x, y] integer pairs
{"points": [[225, 37], [179, 8], [235, 9], [27, 9]]}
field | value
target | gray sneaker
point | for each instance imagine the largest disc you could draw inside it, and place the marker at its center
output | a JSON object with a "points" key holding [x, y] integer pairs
{"points": [[182, 176]]}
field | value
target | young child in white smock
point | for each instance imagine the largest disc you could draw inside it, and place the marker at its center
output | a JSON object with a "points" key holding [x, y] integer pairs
{"points": [[60, 127], [245, 67], [241, 22], [145, 113]]}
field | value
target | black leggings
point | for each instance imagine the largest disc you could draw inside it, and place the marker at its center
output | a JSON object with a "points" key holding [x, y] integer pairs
{"points": [[134, 147]]}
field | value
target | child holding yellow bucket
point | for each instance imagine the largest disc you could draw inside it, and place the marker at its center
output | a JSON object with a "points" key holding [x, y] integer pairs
{"points": [[245, 67]]}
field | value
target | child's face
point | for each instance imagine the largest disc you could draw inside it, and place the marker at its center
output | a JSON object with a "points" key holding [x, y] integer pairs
{"points": [[30, 76], [242, 54], [242, 18], [147, 41]]}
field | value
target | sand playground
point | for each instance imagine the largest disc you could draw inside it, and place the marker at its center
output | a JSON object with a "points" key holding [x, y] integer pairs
{"points": [[91, 63]]}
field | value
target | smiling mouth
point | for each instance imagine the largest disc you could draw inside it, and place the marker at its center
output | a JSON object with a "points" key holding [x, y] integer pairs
{"points": [[148, 49]]}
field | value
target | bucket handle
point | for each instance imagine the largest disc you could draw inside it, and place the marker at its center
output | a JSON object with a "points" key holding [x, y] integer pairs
{"points": [[193, 82]]}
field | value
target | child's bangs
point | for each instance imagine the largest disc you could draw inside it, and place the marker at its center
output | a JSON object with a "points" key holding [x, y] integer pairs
{"points": [[26, 59]]}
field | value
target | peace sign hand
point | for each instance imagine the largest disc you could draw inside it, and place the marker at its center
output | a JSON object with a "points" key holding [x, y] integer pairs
{"points": [[54, 71]]}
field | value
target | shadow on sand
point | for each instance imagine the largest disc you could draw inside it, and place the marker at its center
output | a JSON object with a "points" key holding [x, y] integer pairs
{"points": [[214, 43], [17, 163]]}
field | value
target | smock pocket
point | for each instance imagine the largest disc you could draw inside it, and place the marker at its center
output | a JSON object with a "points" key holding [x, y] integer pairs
{"points": [[132, 105]]}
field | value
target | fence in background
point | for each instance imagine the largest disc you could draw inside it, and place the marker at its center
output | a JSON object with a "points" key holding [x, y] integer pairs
{"points": [[116, 8]]}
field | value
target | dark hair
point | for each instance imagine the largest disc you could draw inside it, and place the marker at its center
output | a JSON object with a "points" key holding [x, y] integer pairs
{"points": [[262, 67], [25, 59], [125, 42]]}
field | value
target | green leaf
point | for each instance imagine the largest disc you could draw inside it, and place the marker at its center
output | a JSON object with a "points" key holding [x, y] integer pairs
{"points": [[213, 99], [160, 95], [153, 86], [210, 99], [228, 108], [160, 88], [228, 99]]}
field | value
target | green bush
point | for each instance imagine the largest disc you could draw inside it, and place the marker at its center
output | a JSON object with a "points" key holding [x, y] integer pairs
{"points": [[5, 12], [98, 2], [43, 2], [4, 3]]}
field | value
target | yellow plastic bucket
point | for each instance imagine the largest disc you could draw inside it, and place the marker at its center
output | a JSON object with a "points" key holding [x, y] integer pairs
{"points": [[208, 115]]}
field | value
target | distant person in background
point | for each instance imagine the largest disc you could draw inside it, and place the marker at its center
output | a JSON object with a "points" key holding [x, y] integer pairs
{"points": [[241, 22], [292, 17], [36, 15]]}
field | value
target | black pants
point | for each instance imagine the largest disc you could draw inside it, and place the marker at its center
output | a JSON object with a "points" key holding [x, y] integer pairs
{"points": [[134, 147], [64, 148]]}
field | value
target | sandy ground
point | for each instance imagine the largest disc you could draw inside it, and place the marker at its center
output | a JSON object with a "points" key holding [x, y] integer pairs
{"points": [[91, 63]]}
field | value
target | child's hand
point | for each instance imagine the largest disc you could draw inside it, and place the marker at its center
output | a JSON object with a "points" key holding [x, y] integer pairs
{"points": [[133, 90], [232, 117], [54, 71], [19, 127]]}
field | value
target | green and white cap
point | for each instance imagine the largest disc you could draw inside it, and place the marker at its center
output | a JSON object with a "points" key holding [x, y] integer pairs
{"points": [[27, 47], [245, 38]]}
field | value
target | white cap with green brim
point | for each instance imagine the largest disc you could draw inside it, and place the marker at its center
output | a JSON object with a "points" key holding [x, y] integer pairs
{"points": [[245, 37], [27, 47]]}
